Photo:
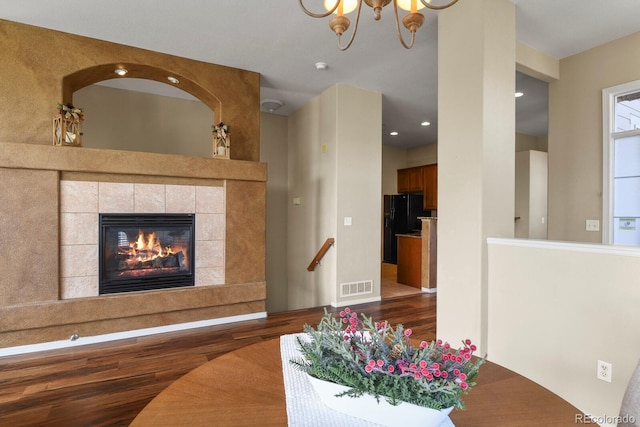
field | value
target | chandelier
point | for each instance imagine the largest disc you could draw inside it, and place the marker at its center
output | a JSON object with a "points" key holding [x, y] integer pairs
{"points": [[340, 23]]}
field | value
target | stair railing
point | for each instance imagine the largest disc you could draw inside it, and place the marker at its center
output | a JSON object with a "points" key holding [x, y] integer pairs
{"points": [[321, 253]]}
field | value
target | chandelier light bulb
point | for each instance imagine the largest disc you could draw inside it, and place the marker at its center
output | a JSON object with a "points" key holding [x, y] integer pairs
{"points": [[345, 6], [410, 5]]}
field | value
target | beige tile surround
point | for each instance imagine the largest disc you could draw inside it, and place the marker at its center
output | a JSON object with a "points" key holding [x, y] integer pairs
{"points": [[82, 201]]}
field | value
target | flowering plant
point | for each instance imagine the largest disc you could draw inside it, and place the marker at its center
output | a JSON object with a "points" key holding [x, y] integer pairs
{"points": [[221, 130], [377, 359], [69, 112]]}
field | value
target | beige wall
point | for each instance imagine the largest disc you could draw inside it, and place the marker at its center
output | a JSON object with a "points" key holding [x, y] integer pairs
{"points": [[423, 155], [334, 168], [531, 195], [476, 57], [575, 134], [120, 119], [273, 152], [529, 142], [393, 158], [555, 309]]}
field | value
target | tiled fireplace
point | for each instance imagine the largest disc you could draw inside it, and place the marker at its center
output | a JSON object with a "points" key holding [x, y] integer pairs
{"points": [[84, 203]]}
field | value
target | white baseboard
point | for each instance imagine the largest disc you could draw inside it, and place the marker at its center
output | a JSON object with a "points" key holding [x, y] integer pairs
{"points": [[429, 290], [79, 341]]}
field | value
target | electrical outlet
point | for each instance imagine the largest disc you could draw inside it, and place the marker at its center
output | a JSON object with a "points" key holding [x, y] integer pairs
{"points": [[593, 225], [604, 371]]}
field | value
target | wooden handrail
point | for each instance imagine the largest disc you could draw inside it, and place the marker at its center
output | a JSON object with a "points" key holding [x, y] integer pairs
{"points": [[321, 253]]}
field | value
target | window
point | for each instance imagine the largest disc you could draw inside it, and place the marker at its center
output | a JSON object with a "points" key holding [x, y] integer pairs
{"points": [[621, 166]]}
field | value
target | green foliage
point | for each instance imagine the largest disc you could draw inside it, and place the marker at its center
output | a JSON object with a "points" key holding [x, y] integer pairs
{"points": [[375, 358]]}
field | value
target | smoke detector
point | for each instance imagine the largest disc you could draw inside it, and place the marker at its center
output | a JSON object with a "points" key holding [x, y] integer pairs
{"points": [[271, 105]]}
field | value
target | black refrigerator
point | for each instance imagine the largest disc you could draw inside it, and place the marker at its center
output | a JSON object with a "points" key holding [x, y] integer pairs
{"points": [[401, 212]]}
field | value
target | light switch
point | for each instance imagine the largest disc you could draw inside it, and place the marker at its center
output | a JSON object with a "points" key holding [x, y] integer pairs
{"points": [[347, 220]]}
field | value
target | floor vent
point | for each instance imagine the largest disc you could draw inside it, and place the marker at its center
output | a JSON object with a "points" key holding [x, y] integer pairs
{"points": [[356, 288]]}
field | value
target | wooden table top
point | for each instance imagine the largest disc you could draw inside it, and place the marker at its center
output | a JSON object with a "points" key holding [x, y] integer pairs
{"points": [[245, 388]]}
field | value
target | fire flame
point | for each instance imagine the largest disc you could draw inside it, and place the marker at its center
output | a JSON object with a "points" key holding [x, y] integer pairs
{"points": [[148, 247]]}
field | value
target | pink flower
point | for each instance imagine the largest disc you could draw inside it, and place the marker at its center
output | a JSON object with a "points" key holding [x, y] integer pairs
{"points": [[462, 376], [467, 341], [390, 368], [423, 363], [347, 310], [464, 386], [368, 368], [423, 345], [408, 332], [439, 342], [380, 363], [372, 363]]}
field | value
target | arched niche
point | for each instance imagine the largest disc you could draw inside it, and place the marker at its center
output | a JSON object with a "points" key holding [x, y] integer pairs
{"points": [[107, 125]]}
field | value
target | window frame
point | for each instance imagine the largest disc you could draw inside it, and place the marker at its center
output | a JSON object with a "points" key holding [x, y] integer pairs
{"points": [[609, 136]]}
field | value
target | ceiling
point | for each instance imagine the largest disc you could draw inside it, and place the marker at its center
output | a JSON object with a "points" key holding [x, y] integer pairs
{"points": [[276, 39]]}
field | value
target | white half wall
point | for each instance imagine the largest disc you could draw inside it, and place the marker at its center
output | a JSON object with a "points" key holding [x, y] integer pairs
{"points": [[557, 308]]}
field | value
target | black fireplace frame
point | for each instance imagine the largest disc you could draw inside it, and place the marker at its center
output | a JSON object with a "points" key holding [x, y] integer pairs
{"points": [[144, 283]]}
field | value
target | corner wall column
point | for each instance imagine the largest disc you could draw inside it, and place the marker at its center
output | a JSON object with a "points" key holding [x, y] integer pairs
{"points": [[476, 144]]}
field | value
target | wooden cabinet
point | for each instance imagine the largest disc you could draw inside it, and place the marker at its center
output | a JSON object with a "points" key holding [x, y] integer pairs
{"points": [[430, 187], [410, 180], [404, 183], [410, 261], [421, 179]]}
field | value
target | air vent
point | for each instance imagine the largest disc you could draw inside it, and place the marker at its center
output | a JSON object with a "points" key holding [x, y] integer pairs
{"points": [[356, 288]]}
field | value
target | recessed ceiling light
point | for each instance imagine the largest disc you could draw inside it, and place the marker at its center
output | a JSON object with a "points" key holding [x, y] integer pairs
{"points": [[121, 71], [519, 94], [173, 80], [394, 133], [425, 124], [321, 66]]}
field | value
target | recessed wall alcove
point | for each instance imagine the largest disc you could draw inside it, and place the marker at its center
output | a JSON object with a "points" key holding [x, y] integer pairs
{"points": [[42, 68]]}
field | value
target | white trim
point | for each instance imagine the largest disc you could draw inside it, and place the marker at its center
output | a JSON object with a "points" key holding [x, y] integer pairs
{"points": [[595, 248], [429, 290], [355, 302], [54, 345]]}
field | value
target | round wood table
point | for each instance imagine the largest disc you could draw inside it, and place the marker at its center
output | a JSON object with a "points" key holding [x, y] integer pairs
{"points": [[245, 388]]}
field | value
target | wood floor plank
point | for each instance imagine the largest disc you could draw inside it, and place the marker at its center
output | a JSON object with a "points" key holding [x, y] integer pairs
{"points": [[107, 384]]}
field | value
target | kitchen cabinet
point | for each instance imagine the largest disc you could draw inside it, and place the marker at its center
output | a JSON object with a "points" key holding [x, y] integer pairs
{"points": [[421, 179], [430, 187], [403, 181], [410, 260], [410, 180]]}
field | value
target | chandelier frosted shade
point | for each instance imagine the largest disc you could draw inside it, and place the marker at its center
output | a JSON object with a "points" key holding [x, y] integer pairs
{"points": [[339, 24]]}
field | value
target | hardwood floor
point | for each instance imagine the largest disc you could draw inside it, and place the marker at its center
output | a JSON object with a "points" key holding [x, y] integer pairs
{"points": [[390, 288], [108, 384]]}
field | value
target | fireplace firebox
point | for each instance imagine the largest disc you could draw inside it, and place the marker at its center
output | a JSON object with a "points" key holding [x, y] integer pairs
{"points": [[140, 252]]}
